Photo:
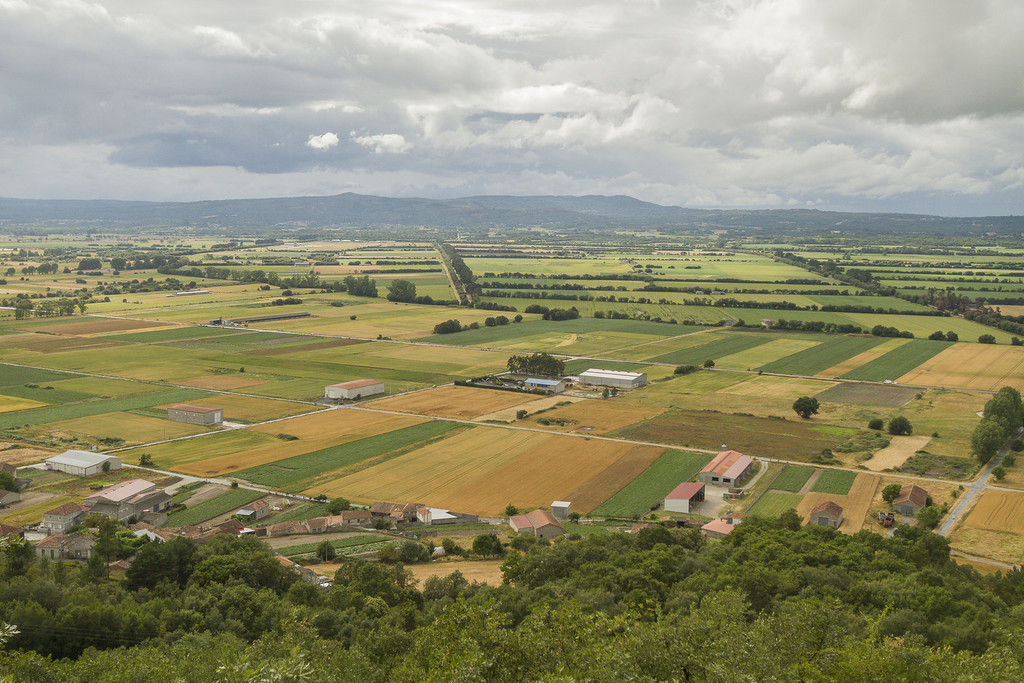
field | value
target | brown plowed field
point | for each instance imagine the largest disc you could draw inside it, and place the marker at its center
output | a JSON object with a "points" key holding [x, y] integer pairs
{"points": [[600, 416], [998, 511]]}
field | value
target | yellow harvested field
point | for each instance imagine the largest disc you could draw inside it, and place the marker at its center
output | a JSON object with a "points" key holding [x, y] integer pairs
{"points": [[223, 382], [509, 414], [10, 403], [598, 416], [482, 571], [315, 432], [972, 366], [483, 469], [22, 456], [897, 452], [980, 566], [1001, 546], [460, 403], [997, 511], [862, 358], [855, 504]]}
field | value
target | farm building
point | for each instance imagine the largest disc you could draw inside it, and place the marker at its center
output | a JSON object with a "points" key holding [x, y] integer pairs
{"points": [[684, 497], [66, 547], [9, 498], [60, 519], [191, 292], [911, 499], [258, 509], [12, 532], [555, 386], [195, 415], [132, 498], [726, 469], [826, 514], [717, 528], [540, 523], [561, 509], [614, 378], [269, 318], [82, 463], [355, 389]]}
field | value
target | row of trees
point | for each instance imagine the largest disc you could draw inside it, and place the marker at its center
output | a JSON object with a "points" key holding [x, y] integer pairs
{"points": [[536, 364], [1002, 417]]}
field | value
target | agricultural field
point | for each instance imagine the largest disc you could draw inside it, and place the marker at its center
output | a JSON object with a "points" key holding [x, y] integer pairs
{"points": [[653, 484], [594, 416], [773, 503], [454, 402], [851, 491], [792, 479], [993, 528], [483, 469]]}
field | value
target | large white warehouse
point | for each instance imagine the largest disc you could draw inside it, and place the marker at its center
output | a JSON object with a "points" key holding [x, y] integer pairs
{"points": [[82, 463], [614, 378]]}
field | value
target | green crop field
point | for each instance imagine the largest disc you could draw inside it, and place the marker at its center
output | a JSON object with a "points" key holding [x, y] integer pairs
{"points": [[231, 499], [792, 478], [14, 374], [298, 472], [658, 480], [899, 361], [716, 346], [76, 410], [774, 503], [831, 352], [836, 482]]}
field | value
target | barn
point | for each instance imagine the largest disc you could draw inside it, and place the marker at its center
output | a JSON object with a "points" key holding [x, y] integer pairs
{"points": [[910, 500], [555, 386], [826, 514], [358, 388], [195, 415], [614, 378], [82, 463], [726, 469], [684, 497]]}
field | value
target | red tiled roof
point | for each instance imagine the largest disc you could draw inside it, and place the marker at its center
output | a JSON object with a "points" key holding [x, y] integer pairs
{"points": [[912, 493], [520, 522], [685, 491], [542, 517], [65, 509], [719, 526], [728, 464], [828, 507]]}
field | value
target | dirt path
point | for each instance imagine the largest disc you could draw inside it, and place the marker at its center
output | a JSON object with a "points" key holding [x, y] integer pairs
{"points": [[806, 488]]}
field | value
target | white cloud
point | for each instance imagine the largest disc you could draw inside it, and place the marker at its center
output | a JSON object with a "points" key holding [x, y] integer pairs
{"points": [[386, 143], [325, 141]]}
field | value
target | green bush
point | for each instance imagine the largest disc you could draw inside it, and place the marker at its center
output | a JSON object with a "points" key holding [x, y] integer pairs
{"points": [[876, 423]]}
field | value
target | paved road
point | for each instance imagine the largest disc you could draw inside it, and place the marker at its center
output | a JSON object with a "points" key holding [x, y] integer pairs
{"points": [[976, 487]]}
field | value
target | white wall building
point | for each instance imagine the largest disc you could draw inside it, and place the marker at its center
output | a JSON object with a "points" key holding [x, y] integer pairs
{"points": [[614, 378], [82, 463], [358, 388]]}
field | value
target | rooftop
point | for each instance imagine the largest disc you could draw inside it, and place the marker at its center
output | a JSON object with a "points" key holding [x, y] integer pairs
{"points": [[685, 491], [358, 384], [912, 493], [191, 408], [79, 458], [544, 382], [718, 526], [65, 509], [828, 507], [123, 491], [617, 374], [728, 464]]}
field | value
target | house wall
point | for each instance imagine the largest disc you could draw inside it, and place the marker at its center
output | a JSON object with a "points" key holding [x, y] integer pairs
{"points": [[677, 505], [370, 390], [187, 416], [548, 531], [907, 508]]}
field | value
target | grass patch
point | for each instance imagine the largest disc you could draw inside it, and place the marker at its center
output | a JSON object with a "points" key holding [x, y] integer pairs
{"points": [[836, 482], [13, 374], [658, 480], [792, 478], [899, 361], [52, 395], [925, 464], [89, 408], [302, 467], [208, 509], [300, 512], [823, 356], [774, 503], [865, 441]]}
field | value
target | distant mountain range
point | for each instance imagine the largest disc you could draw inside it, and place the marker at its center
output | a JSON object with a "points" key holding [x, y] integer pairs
{"points": [[592, 212]]}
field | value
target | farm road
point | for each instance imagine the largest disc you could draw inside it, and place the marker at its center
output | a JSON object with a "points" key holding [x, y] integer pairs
{"points": [[977, 486]]}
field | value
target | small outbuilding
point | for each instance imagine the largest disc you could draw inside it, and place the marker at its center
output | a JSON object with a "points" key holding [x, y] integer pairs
{"points": [[561, 509], [257, 509], [826, 514], [195, 415], [726, 469], [359, 388], [717, 528], [614, 378], [910, 500], [555, 386], [684, 497], [82, 463]]}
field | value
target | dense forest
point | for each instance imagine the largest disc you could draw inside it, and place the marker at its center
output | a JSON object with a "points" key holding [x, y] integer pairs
{"points": [[771, 601]]}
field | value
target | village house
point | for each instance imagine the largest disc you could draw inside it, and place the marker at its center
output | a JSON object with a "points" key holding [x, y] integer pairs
{"points": [[910, 500], [256, 510], [66, 547], [60, 519], [826, 514], [717, 528], [8, 531], [132, 498], [9, 498], [539, 523]]}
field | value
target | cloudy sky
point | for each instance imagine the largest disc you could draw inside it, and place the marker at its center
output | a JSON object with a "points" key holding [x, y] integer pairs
{"points": [[902, 105]]}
